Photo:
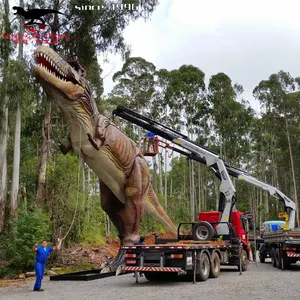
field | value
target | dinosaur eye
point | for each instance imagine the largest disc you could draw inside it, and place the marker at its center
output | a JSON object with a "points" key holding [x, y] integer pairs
{"points": [[76, 65]]}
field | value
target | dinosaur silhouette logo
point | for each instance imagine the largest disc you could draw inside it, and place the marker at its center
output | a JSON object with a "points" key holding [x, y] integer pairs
{"points": [[35, 28], [34, 14]]}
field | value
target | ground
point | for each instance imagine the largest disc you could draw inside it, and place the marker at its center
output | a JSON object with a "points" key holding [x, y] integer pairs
{"points": [[261, 281]]}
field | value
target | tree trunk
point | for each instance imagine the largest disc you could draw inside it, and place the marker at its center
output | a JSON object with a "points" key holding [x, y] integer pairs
{"points": [[82, 176], [192, 192], [171, 184], [275, 171], [155, 173], [203, 188], [88, 194], [3, 161], [293, 174], [166, 179], [184, 182], [24, 198], [267, 212], [161, 190], [46, 132], [16, 163], [107, 226], [260, 205], [4, 119], [216, 193], [199, 187]]}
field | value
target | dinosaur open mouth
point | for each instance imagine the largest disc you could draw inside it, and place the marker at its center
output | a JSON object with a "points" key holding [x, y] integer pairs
{"points": [[53, 67]]}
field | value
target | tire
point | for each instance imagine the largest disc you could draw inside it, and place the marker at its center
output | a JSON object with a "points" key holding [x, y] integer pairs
{"points": [[245, 261], [273, 257], [215, 265], [262, 258], [286, 262], [203, 268], [203, 231], [156, 276], [278, 259]]}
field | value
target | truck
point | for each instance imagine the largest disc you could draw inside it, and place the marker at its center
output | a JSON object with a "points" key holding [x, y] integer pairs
{"points": [[198, 253], [218, 238], [282, 245]]}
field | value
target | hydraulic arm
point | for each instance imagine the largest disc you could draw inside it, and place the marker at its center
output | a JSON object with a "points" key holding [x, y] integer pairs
{"points": [[210, 158]]}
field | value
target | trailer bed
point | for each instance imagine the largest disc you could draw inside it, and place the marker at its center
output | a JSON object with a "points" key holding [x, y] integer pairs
{"points": [[189, 245], [290, 236]]}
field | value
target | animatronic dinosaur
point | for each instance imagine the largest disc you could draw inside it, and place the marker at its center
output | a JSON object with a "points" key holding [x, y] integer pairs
{"points": [[124, 176], [34, 14]]}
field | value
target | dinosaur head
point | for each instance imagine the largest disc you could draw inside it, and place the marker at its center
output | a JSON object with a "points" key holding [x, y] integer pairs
{"points": [[18, 9], [65, 82], [58, 76]]}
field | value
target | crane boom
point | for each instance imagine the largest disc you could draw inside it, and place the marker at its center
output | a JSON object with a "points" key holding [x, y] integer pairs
{"points": [[210, 158]]}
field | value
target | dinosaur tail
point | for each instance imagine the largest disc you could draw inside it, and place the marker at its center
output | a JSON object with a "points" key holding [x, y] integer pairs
{"points": [[153, 207]]}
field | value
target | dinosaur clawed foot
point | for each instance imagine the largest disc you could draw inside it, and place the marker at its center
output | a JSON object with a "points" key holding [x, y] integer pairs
{"points": [[114, 264], [64, 150]]}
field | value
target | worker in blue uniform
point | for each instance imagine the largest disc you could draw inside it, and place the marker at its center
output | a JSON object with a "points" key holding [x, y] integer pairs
{"points": [[42, 253]]}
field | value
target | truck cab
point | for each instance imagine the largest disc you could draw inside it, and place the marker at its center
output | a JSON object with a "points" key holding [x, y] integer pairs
{"points": [[239, 226]]}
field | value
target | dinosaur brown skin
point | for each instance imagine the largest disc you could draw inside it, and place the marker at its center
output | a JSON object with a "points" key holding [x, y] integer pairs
{"points": [[123, 172]]}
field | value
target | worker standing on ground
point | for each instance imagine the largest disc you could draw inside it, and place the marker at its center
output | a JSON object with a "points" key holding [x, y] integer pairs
{"points": [[42, 253]]}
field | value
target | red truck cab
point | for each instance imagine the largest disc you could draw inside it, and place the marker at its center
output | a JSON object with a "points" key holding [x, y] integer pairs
{"points": [[238, 225]]}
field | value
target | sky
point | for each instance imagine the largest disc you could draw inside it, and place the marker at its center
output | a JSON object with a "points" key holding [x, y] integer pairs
{"points": [[247, 40]]}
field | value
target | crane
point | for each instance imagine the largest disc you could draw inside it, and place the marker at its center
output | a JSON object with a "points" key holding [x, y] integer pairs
{"points": [[212, 159]]}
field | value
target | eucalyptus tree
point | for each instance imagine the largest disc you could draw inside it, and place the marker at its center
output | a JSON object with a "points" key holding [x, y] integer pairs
{"points": [[281, 105], [136, 81], [5, 51]]}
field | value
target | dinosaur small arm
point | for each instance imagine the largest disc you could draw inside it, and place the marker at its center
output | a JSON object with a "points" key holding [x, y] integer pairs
{"points": [[124, 176]]}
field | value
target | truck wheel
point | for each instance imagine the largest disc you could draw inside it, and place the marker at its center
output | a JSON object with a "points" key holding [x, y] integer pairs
{"points": [[273, 257], [203, 268], [215, 265], [278, 259], [286, 262], [203, 231], [245, 261], [262, 258]]}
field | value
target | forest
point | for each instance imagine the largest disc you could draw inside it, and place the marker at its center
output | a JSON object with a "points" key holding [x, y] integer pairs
{"points": [[45, 194]]}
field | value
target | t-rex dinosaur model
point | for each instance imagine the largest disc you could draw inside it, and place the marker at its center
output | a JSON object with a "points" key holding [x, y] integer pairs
{"points": [[34, 14], [123, 173]]}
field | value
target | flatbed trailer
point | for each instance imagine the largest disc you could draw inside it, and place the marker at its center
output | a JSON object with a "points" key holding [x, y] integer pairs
{"points": [[283, 247], [199, 260]]}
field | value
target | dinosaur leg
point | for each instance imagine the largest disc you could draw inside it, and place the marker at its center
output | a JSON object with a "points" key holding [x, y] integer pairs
{"points": [[30, 22], [43, 21], [135, 191], [113, 207]]}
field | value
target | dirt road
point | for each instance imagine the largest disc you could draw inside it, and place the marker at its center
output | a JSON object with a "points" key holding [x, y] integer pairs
{"points": [[261, 281]]}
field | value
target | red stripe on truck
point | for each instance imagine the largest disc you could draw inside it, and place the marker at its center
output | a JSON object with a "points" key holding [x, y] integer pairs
{"points": [[152, 269]]}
